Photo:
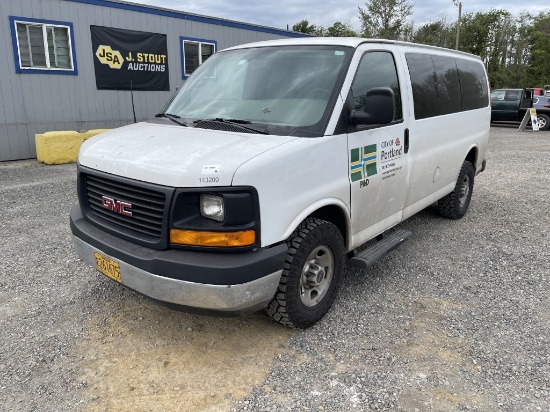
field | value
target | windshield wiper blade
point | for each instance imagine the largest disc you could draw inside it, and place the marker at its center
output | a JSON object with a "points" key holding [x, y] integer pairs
{"points": [[238, 122], [172, 117]]}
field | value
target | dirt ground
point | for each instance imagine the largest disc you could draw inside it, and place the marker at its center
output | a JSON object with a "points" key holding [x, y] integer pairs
{"points": [[148, 358]]}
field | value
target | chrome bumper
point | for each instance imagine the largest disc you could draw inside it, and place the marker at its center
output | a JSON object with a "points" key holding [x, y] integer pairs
{"points": [[225, 298]]}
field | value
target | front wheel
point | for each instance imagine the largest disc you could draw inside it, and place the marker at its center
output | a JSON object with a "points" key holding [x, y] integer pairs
{"points": [[455, 204], [311, 274]]}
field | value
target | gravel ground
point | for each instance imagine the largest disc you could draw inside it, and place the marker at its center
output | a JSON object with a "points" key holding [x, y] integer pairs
{"points": [[455, 319]]}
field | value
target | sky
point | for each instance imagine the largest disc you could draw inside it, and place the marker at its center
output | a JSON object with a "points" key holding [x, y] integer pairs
{"points": [[281, 13]]}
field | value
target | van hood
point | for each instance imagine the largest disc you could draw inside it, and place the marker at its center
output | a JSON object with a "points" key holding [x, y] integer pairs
{"points": [[174, 155]]}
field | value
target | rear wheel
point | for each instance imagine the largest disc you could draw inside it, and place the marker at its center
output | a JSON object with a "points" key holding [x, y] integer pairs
{"points": [[311, 274], [455, 204], [543, 121]]}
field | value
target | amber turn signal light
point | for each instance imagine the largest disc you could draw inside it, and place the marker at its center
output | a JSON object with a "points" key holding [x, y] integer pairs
{"points": [[212, 239]]}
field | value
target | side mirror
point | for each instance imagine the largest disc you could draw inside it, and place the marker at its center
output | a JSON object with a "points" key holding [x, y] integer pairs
{"points": [[379, 108]]}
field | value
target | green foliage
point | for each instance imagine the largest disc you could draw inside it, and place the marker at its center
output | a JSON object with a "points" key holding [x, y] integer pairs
{"points": [[539, 68], [303, 26], [514, 49], [438, 34], [385, 19], [340, 29]]}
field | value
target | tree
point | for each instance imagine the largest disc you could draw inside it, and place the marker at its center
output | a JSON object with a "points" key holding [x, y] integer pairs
{"points": [[539, 67], [385, 19], [339, 29], [439, 33], [303, 26]]}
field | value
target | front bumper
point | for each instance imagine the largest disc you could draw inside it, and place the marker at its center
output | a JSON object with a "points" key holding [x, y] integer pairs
{"points": [[225, 282]]}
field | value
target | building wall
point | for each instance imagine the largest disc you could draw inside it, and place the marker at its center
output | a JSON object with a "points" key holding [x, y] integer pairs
{"points": [[35, 103]]}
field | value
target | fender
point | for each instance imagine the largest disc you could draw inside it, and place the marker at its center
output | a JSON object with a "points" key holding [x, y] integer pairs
{"points": [[312, 208]]}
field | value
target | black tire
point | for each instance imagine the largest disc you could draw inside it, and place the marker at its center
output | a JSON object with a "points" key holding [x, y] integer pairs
{"points": [[544, 121], [311, 276], [455, 204]]}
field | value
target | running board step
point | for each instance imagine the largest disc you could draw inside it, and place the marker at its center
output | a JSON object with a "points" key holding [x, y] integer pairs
{"points": [[380, 249]]}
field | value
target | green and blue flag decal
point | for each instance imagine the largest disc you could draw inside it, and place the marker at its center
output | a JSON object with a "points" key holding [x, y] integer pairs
{"points": [[362, 162]]}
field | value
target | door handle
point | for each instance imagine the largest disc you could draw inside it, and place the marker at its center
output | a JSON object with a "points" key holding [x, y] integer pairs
{"points": [[406, 140]]}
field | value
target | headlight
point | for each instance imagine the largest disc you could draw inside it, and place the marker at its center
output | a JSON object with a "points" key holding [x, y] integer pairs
{"points": [[212, 207], [221, 217]]}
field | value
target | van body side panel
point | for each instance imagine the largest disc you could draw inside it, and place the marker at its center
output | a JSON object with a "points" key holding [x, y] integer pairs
{"points": [[292, 177], [439, 145]]}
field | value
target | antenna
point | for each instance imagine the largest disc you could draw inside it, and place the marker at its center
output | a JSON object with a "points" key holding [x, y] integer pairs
{"points": [[132, 94]]}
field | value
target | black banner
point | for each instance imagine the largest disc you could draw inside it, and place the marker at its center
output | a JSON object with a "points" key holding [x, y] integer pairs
{"points": [[125, 59]]}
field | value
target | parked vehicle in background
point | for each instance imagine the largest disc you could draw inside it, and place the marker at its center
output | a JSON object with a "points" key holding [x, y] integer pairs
{"points": [[510, 105], [541, 102]]}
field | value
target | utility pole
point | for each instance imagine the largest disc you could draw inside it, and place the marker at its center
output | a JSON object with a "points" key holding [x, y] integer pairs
{"points": [[459, 4]]}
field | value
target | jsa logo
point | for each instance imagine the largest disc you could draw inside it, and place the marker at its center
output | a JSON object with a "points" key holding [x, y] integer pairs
{"points": [[116, 206], [108, 56]]}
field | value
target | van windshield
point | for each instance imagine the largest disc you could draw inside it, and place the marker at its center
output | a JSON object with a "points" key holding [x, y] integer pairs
{"points": [[288, 90]]}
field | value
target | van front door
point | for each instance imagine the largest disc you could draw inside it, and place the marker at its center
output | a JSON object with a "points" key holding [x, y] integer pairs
{"points": [[378, 156]]}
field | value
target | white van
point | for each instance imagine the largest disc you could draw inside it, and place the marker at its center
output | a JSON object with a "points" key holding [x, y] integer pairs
{"points": [[273, 163]]}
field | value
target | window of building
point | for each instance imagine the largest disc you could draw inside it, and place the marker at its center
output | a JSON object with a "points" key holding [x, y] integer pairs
{"points": [[194, 53], [43, 46]]}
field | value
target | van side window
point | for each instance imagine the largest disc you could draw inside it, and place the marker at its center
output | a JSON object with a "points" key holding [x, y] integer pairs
{"points": [[377, 69], [448, 84], [473, 84], [444, 85], [424, 85]]}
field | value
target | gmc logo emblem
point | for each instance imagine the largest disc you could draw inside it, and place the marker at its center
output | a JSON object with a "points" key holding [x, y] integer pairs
{"points": [[116, 206]]}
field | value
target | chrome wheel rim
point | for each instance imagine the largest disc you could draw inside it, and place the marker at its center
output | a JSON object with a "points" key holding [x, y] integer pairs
{"points": [[316, 276], [541, 122], [464, 191]]}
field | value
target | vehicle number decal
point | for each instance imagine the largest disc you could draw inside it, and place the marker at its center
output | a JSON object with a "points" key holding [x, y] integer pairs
{"points": [[209, 179]]}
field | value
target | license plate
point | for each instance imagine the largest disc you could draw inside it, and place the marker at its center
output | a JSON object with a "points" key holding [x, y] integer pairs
{"points": [[108, 267]]}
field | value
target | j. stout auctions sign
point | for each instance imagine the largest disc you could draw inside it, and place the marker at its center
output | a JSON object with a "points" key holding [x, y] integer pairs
{"points": [[125, 59]]}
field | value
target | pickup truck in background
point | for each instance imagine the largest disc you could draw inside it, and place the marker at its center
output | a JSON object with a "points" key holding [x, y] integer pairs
{"points": [[510, 105]]}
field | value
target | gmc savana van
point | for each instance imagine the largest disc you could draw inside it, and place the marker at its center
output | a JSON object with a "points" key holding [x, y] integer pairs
{"points": [[273, 164]]}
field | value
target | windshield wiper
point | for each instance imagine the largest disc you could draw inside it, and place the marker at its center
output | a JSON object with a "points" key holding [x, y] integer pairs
{"points": [[223, 120], [238, 122], [172, 117]]}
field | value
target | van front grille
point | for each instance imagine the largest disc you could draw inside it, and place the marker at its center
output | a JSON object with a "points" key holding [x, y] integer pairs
{"points": [[124, 206]]}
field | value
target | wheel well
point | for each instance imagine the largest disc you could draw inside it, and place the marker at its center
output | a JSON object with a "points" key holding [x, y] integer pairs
{"points": [[472, 157], [336, 216]]}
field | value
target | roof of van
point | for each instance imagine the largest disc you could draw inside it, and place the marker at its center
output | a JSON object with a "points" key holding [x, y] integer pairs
{"points": [[339, 41]]}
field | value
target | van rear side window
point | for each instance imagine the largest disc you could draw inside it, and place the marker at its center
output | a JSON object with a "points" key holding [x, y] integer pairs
{"points": [[448, 84], [445, 85], [475, 93]]}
